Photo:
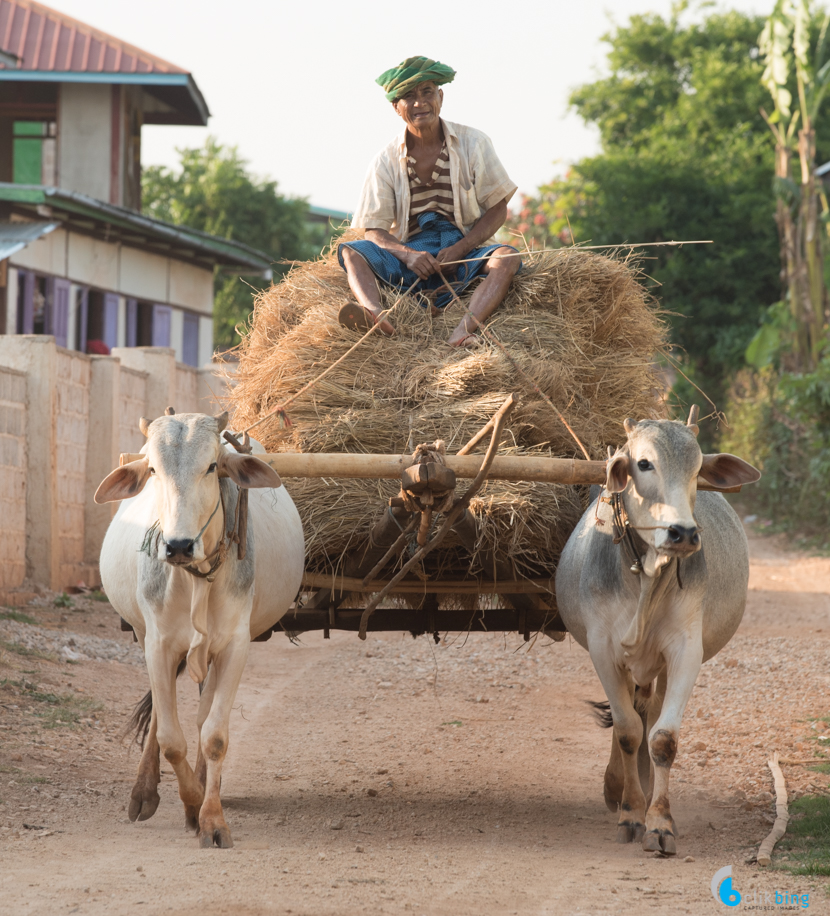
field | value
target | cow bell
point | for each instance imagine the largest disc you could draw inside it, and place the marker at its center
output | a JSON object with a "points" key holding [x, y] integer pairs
{"points": [[636, 567]]}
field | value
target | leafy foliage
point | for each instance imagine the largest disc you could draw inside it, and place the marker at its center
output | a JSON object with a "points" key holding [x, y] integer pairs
{"points": [[781, 423], [685, 156], [214, 192]]}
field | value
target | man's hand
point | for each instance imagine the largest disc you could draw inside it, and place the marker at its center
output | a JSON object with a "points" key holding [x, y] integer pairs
{"points": [[420, 262], [456, 252]]}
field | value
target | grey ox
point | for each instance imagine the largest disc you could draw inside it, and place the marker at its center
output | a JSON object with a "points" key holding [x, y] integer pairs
{"points": [[653, 582], [171, 570]]}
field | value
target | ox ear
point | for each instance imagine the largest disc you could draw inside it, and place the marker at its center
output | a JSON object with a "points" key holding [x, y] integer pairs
{"points": [[616, 473], [724, 471], [247, 471], [124, 482]]}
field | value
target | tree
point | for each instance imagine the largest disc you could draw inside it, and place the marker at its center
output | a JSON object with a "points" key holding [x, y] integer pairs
{"points": [[786, 41], [214, 192], [684, 156]]}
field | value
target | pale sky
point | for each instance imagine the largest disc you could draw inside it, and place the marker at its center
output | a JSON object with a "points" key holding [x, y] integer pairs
{"points": [[292, 84]]}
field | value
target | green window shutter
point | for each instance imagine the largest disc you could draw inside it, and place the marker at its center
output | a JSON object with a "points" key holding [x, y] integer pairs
{"points": [[28, 152]]}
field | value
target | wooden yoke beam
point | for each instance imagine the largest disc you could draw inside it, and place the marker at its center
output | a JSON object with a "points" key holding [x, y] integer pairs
{"points": [[389, 467]]}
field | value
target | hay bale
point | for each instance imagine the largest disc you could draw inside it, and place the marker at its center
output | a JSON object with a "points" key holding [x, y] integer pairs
{"points": [[581, 325]]}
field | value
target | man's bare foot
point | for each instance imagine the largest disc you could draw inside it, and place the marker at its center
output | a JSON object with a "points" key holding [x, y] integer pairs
{"points": [[466, 341], [353, 316]]}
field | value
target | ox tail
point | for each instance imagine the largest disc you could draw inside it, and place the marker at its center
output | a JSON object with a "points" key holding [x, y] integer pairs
{"points": [[139, 722], [602, 713]]}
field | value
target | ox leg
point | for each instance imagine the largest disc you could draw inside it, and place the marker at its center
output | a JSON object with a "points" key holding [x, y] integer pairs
{"points": [[162, 671], [628, 734], [205, 701], [227, 673], [680, 680], [144, 798]]}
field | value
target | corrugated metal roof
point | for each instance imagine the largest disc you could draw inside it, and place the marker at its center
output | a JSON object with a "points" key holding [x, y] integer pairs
{"points": [[14, 236], [44, 39]]}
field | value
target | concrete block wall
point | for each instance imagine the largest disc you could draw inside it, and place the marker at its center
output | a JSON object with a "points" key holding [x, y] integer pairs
{"points": [[71, 437], [12, 478], [131, 407], [187, 389], [64, 419]]}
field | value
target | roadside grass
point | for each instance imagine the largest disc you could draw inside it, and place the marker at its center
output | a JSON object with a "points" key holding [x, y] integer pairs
{"points": [[97, 595], [54, 710], [26, 651], [63, 600], [807, 840], [18, 616], [26, 779]]}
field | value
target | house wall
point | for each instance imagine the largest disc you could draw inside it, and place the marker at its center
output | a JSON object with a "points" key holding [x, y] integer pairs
{"points": [[13, 459], [64, 419], [126, 271], [46, 255], [191, 287], [85, 139]]}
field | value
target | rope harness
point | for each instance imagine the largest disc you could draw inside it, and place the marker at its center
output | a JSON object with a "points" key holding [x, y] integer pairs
{"points": [[624, 534], [238, 535]]}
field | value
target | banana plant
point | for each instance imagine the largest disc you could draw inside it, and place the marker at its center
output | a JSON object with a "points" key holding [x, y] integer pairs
{"points": [[786, 48]]}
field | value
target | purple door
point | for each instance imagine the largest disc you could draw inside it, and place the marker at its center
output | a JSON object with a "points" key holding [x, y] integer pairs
{"points": [[110, 320], [26, 302], [162, 319], [190, 341], [60, 312], [83, 318], [132, 323]]}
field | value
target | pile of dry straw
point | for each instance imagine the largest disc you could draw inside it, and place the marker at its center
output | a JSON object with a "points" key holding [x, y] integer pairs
{"points": [[579, 324]]}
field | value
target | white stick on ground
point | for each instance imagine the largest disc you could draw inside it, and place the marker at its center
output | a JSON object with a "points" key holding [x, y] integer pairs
{"points": [[782, 815]]}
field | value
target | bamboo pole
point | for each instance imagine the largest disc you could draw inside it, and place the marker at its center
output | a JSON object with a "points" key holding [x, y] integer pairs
{"points": [[338, 583], [388, 467]]}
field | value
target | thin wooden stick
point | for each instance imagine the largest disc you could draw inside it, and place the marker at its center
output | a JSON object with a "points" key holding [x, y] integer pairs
{"points": [[280, 408], [782, 815], [399, 542], [529, 252]]}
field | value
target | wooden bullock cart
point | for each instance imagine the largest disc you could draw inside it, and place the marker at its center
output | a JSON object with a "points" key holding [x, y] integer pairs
{"points": [[429, 482]]}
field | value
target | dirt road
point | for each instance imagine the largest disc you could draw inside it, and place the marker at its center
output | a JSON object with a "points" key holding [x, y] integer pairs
{"points": [[395, 776]]}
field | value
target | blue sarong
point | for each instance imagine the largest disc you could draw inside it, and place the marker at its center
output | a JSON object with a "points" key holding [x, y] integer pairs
{"points": [[437, 233]]}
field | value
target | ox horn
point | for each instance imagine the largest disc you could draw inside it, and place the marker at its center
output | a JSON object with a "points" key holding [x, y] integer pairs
{"points": [[691, 423], [629, 425], [170, 411], [221, 421], [144, 426]]}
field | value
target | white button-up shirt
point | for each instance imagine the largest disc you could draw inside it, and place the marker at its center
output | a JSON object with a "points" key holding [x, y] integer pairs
{"points": [[479, 182]]}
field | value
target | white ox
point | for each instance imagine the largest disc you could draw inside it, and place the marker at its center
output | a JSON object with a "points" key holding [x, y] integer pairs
{"points": [[678, 609], [172, 526]]}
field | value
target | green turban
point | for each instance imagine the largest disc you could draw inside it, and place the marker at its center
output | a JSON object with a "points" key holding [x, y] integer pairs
{"points": [[399, 80]]}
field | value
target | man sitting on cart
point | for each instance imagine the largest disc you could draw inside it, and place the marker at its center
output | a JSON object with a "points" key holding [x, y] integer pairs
{"points": [[437, 194]]}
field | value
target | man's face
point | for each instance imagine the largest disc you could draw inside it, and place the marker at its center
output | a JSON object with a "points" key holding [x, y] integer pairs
{"points": [[421, 106]]}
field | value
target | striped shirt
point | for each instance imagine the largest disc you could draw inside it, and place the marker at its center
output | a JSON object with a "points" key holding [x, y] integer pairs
{"points": [[478, 178], [436, 194]]}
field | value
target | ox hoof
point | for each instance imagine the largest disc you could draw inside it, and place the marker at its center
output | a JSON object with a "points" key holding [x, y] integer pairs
{"points": [[143, 804], [660, 841], [220, 837], [630, 833]]}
